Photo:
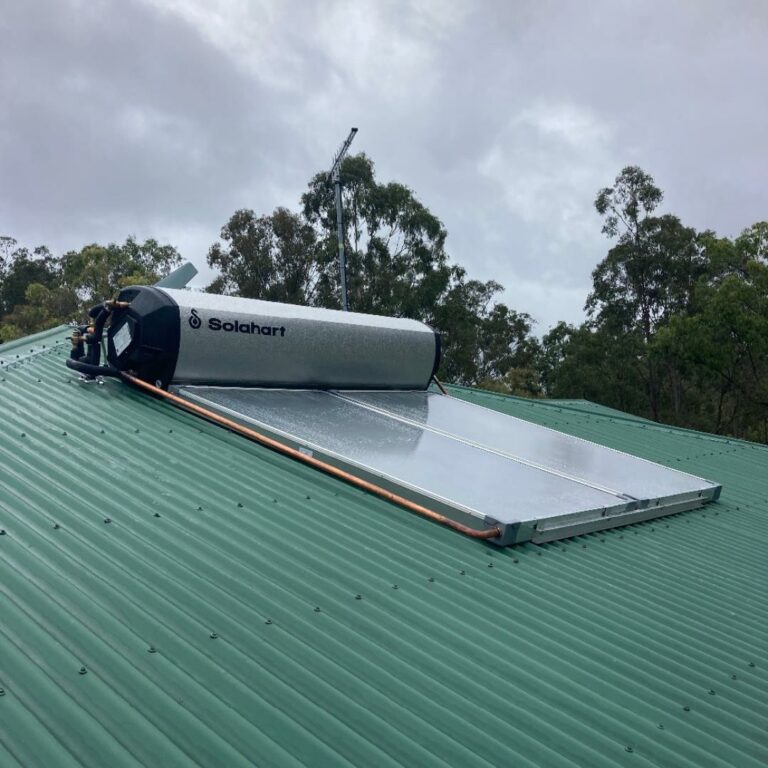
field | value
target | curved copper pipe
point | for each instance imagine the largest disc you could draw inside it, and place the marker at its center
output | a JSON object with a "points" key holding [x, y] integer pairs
{"points": [[329, 469]]}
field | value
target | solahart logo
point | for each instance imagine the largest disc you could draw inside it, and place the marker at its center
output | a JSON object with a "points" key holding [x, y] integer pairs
{"points": [[249, 327], [244, 326]]}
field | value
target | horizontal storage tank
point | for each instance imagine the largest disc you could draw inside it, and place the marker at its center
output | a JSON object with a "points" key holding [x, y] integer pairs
{"points": [[168, 336]]}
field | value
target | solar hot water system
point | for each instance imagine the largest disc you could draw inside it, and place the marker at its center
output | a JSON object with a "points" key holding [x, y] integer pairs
{"points": [[349, 394]]}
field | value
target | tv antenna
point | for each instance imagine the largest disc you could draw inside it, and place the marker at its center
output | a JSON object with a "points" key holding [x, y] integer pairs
{"points": [[334, 176]]}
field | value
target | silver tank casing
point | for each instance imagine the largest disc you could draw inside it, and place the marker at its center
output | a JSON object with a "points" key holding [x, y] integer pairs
{"points": [[231, 341]]}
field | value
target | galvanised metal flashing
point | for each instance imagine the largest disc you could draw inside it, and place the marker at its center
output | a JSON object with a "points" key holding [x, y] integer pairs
{"points": [[156, 610]]}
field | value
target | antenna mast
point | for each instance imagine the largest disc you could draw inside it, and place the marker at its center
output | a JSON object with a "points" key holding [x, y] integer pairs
{"points": [[334, 176]]}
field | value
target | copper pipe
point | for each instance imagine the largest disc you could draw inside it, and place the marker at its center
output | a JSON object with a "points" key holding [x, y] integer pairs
{"points": [[439, 385], [329, 469]]}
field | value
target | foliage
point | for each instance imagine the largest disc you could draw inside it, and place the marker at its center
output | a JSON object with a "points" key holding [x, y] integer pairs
{"points": [[20, 268], [274, 257], [96, 272], [678, 320], [396, 265], [718, 356], [39, 290]]}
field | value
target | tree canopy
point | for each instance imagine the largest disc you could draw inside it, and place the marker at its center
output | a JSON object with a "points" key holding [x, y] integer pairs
{"points": [[39, 290], [397, 264], [678, 320]]}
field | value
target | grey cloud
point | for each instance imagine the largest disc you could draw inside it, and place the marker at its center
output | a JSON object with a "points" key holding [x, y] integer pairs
{"points": [[161, 118], [117, 113]]}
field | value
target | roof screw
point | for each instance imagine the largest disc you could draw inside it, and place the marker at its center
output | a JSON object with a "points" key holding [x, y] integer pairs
{"points": [[660, 726], [239, 505], [83, 671], [2, 531], [274, 501], [170, 431], [686, 709], [157, 514], [64, 434], [515, 560], [107, 520], [199, 509], [711, 692], [152, 649], [317, 609], [101, 431], [268, 621], [583, 546], [56, 526], [462, 573], [490, 565], [628, 749], [213, 635], [309, 498], [751, 663], [431, 579], [23, 434], [394, 586], [733, 677], [358, 597], [136, 430], [2, 691]]}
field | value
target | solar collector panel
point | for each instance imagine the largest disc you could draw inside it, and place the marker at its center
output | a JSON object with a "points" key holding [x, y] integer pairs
{"points": [[478, 466], [573, 457]]}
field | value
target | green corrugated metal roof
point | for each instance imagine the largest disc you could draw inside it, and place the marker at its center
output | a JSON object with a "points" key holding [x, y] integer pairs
{"points": [[230, 607]]}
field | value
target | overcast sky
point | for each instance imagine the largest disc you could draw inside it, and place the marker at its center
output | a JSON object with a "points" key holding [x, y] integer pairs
{"points": [[159, 118]]}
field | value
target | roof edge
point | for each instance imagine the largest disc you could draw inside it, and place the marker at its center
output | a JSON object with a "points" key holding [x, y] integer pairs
{"points": [[614, 414], [33, 338]]}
